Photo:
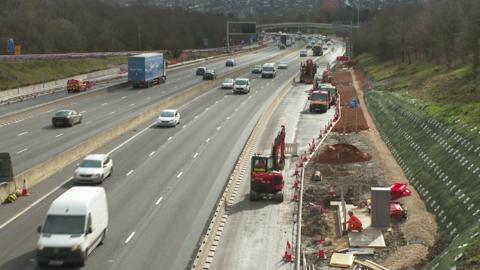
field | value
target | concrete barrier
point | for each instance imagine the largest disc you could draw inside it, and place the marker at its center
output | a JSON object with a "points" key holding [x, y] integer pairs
{"points": [[47, 168]]}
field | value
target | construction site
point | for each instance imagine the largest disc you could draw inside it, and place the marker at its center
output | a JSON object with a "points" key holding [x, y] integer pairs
{"points": [[342, 176]]}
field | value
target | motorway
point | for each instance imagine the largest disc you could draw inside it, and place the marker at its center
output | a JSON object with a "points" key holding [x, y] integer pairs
{"points": [[31, 139], [166, 181]]}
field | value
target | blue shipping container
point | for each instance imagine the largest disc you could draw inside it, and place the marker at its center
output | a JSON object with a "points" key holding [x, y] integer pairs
{"points": [[146, 69]]}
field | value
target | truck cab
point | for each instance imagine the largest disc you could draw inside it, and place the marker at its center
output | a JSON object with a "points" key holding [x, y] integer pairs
{"points": [[319, 101]]}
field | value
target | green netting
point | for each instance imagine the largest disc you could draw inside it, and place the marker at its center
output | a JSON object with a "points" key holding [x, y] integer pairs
{"points": [[442, 162]]}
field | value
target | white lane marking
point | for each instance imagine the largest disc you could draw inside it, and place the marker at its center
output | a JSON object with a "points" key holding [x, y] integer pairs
{"points": [[88, 122], [148, 98], [228, 118], [184, 126], [249, 97], [216, 102], [124, 97], [207, 140], [208, 108], [179, 174], [23, 150], [128, 140], [151, 154], [129, 237], [129, 172], [196, 116], [169, 138], [195, 155], [83, 112], [103, 104], [19, 120], [131, 105], [23, 133], [35, 203], [49, 111], [59, 135], [141, 91], [112, 113], [219, 127], [159, 200]]}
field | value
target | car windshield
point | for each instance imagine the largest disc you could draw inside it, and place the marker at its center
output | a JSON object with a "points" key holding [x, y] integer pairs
{"points": [[267, 68], [283, 63], [62, 113], [228, 81], [241, 82], [318, 96], [57, 224], [88, 163], [258, 67], [167, 114]]}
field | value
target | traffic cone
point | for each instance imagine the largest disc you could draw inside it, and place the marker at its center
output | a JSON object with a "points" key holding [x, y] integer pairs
{"points": [[321, 251], [312, 146], [295, 183], [304, 157], [295, 194], [331, 191], [287, 256], [296, 172], [24, 188]]}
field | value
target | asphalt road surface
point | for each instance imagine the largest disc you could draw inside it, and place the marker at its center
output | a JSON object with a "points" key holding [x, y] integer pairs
{"points": [[31, 139], [166, 181]]}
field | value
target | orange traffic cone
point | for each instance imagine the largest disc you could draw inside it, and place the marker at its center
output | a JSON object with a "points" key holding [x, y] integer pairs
{"points": [[321, 251], [295, 183], [287, 256], [295, 194], [304, 157], [312, 146], [24, 188], [297, 171]]}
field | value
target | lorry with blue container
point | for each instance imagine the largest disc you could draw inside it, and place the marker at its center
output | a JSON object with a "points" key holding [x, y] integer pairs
{"points": [[147, 69]]}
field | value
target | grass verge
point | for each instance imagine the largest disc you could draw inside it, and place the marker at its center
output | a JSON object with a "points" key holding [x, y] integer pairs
{"points": [[21, 73]]}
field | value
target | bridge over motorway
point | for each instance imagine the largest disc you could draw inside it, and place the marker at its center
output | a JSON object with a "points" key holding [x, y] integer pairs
{"points": [[303, 25]]}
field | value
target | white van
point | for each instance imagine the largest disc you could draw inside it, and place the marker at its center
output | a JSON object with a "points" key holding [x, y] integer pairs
{"points": [[76, 223], [268, 70]]}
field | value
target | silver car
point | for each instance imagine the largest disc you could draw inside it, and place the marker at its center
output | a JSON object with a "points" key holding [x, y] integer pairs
{"points": [[93, 169], [241, 86]]}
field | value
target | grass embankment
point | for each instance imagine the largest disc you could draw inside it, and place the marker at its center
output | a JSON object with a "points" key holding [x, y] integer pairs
{"points": [[435, 139], [447, 95], [21, 73]]}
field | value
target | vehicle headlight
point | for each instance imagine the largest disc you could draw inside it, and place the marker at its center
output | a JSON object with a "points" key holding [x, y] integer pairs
{"points": [[76, 247], [97, 174], [39, 247]]}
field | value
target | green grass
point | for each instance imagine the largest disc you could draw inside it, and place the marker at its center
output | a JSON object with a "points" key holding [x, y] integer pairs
{"points": [[20, 73]]}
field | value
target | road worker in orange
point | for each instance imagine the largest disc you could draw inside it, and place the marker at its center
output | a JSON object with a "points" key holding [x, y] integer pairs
{"points": [[353, 223]]}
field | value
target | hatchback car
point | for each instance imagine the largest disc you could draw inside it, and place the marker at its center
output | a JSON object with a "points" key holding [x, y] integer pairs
{"points": [[282, 65], [210, 74], [230, 63], [257, 69], [227, 84], [241, 86], [200, 71], [93, 169], [303, 53], [66, 118], [168, 118]]}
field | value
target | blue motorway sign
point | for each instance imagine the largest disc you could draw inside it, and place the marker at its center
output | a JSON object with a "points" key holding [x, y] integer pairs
{"points": [[10, 46]]}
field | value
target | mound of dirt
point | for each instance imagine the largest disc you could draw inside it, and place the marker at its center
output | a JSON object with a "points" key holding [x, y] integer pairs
{"points": [[342, 153]]}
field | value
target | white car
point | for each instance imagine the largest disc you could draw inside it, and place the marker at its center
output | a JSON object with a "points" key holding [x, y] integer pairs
{"points": [[282, 65], [93, 169], [303, 53], [242, 86], [168, 118], [227, 84]]}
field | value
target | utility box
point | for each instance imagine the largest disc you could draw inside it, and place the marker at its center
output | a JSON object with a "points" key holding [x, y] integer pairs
{"points": [[380, 207], [6, 170]]}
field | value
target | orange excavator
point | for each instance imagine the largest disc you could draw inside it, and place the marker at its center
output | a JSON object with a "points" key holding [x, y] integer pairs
{"points": [[307, 71], [266, 178]]}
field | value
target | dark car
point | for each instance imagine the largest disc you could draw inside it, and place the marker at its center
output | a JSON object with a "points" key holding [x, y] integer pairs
{"points": [[230, 63], [209, 74], [257, 69], [200, 71], [66, 118]]}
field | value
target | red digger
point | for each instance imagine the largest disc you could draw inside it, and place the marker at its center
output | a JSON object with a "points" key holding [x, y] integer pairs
{"points": [[266, 179]]}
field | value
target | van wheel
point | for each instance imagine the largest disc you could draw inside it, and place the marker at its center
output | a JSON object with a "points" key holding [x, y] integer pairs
{"points": [[84, 259], [104, 234]]}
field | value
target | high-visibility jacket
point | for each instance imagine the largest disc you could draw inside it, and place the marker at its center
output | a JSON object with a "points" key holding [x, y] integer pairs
{"points": [[354, 223]]}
